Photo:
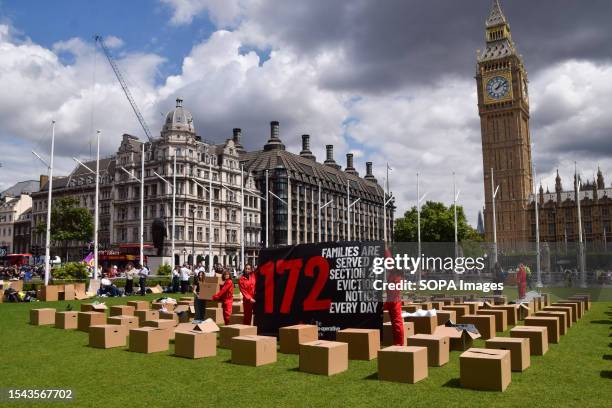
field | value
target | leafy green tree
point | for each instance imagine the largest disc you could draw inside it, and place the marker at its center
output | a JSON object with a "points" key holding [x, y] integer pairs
{"points": [[437, 225], [69, 222]]}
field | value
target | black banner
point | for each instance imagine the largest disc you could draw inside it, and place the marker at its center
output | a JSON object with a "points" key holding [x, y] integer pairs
{"points": [[328, 284]]}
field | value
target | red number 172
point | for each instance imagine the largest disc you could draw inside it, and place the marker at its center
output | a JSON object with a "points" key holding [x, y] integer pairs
{"points": [[294, 266]]}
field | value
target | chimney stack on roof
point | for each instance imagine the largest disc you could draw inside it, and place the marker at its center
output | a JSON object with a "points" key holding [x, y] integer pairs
{"points": [[306, 148], [369, 176], [274, 143], [349, 165], [330, 157], [237, 138]]}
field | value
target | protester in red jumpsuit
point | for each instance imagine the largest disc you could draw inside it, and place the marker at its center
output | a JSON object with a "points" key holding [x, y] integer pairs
{"points": [[394, 306], [226, 296], [521, 281], [246, 283]]}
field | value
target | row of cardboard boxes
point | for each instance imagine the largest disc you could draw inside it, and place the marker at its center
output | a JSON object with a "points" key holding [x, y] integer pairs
{"points": [[487, 368]]}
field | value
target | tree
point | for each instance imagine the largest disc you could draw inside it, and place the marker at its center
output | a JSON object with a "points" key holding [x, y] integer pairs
{"points": [[437, 225], [69, 222]]}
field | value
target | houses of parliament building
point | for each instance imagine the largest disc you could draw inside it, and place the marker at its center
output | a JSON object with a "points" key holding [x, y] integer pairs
{"points": [[503, 106]]}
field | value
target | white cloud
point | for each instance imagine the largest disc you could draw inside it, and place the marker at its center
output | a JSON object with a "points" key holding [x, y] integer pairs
{"points": [[224, 13]]}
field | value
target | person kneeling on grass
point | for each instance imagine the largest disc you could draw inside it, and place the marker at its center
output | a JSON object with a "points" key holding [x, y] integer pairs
{"points": [[226, 296]]}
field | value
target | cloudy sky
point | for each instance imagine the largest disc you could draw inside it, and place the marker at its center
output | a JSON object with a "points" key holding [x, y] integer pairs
{"points": [[391, 81]]}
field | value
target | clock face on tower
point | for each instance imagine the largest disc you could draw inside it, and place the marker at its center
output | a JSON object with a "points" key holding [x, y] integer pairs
{"points": [[498, 87]]}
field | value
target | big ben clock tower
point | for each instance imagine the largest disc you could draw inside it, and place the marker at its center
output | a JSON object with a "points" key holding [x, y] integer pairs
{"points": [[503, 106]]}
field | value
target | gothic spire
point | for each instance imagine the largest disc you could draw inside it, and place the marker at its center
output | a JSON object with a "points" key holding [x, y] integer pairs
{"points": [[496, 16]]}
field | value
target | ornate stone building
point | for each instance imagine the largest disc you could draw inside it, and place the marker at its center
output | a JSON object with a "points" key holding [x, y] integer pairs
{"points": [[197, 162], [298, 179], [558, 214], [503, 106]]}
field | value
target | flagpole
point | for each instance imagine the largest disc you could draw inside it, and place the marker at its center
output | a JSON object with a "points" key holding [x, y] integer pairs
{"points": [[97, 205]]}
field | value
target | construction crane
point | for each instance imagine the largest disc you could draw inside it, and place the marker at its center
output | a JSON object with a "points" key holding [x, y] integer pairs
{"points": [[124, 86]]}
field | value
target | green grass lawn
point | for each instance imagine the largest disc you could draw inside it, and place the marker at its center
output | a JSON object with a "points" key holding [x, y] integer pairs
{"points": [[575, 372]]}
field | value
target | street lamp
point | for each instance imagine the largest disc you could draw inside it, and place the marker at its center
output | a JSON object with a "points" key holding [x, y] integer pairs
{"points": [[321, 207], [385, 203], [209, 190], [97, 199], [537, 225], [50, 188], [193, 212], [173, 186], [141, 181], [494, 191], [349, 205], [419, 200]]}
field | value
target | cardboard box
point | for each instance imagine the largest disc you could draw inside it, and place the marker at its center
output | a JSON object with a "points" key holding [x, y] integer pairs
{"points": [[423, 324], [214, 313], [139, 304], [49, 293], [501, 324], [460, 339], [195, 344], [67, 293], [445, 316], [551, 324], [166, 324], [425, 305], [93, 307], [159, 306], [156, 289], [388, 333], [406, 364], [185, 302], [237, 307], [520, 358], [87, 319], [459, 298], [472, 306], [574, 306], [149, 340], [485, 369], [438, 347], [130, 322], [585, 298], [323, 357], [184, 327], [537, 335], [16, 285], [66, 320], [363, 343], [523, 311], [290, 337], [459, 310], [122, 310], [107, 336], [237, 318], [511, 313], [446, 300], [208, 290], [546, 297], [563, 322], [168, 316], [484, 323], [437, 304], [569, 314], [144, 315], [233, 330], [578, 309], [217, 279], [41, 317], [253, 350], [411, 308]]}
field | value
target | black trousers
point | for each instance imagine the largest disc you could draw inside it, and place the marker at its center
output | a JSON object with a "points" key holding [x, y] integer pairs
{"points": [[200, 307], [129, 286], [184, 286], [175, 284], [143, 286]]}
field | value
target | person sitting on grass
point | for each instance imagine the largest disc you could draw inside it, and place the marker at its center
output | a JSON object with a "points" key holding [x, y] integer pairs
{"points": [[226, 296]]}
